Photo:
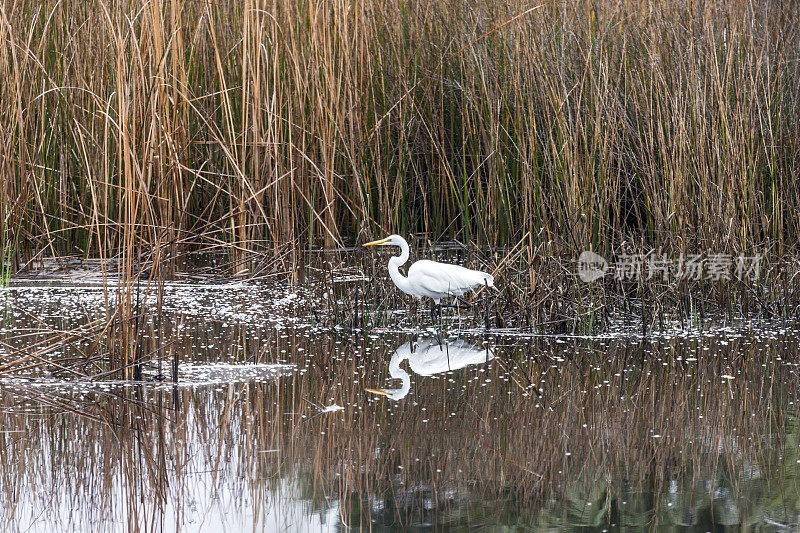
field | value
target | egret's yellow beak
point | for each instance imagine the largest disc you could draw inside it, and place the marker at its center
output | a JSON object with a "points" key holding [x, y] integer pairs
{"points": [[377, 391], [379, 241]]}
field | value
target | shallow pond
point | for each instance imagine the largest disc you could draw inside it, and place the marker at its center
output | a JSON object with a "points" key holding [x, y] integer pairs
{"points": [[277, 423]]}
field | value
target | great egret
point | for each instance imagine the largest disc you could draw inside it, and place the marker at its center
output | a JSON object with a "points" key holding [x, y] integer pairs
{"points": [[430, 278], [431, 357]]}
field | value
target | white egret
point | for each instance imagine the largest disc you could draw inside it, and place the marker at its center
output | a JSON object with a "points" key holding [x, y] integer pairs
{"points": [[430, 278], [431, 357]]}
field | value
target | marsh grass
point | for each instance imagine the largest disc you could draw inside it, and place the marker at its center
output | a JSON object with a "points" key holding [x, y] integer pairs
{"points": [[146, 132], [132, 127]]}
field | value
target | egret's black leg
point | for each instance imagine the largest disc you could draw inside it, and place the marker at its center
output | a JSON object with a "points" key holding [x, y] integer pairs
{"points": [[486, 305], [466, 305], [486, 311]]}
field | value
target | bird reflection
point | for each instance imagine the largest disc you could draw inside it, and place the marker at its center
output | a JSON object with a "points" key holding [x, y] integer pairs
{"points": [[431, 356]]}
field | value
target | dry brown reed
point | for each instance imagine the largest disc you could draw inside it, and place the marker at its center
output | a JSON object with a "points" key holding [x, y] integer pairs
{"points": [[129, 127], [140, 132]]}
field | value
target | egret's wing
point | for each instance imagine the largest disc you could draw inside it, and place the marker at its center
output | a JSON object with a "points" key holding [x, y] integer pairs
{"points": [[444, 279], [436, 278]]}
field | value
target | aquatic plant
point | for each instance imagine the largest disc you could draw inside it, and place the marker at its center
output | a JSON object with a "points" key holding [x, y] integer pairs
{"points": [[281, 125]]}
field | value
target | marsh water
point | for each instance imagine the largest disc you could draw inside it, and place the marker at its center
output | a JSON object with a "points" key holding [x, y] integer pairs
{"points": [[280, 422]]}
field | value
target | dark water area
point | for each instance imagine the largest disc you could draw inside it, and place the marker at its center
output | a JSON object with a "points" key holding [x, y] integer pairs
{"points": [[279, 422]]}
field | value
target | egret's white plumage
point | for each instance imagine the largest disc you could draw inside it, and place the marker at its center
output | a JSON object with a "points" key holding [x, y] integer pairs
{"points": [[430, 278], [430, 357]]}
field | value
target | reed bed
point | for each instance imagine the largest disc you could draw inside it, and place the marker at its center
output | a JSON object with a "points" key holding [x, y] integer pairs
{"points": [[132, 129], [145, 134]]}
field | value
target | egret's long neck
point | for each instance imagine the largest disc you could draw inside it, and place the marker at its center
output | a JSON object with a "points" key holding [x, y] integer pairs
{"points": [[394, 268]]}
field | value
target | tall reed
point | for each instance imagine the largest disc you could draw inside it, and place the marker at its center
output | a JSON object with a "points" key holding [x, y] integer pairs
{"points": [[244, 127]]}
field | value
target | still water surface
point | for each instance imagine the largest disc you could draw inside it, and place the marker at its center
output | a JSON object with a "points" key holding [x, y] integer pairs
{"points": [[279, 424]]}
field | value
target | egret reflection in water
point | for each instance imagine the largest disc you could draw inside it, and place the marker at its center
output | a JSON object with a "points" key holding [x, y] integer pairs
{"points": [[431, 356]]}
